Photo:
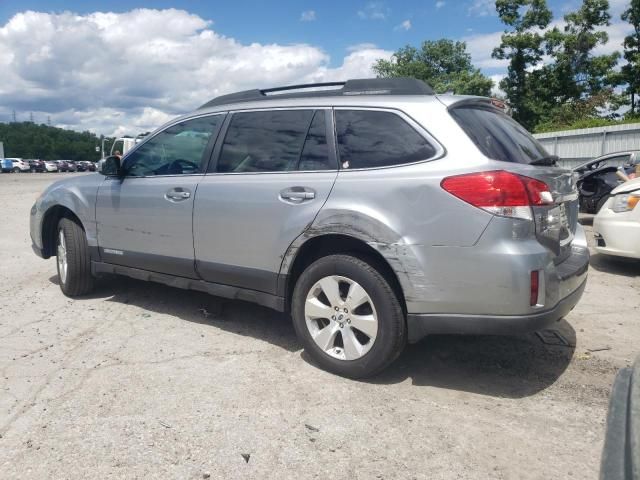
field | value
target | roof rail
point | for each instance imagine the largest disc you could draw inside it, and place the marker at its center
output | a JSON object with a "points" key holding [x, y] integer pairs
{"points": [[367, 86]]}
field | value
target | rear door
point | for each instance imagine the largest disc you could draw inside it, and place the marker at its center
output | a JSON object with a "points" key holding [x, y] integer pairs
{"points": [[271, 174], [145, 219]]}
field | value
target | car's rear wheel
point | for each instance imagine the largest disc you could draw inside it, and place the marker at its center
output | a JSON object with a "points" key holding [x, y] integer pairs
{"points": [[15, 170], [72, 259], [348, 316]]}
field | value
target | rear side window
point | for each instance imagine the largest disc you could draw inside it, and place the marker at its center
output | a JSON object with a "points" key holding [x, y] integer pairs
{"points": [[369, 139], [497, 135], [275, 141]]}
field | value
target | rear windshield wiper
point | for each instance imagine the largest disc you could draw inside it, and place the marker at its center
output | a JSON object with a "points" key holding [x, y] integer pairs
{"points": [[548, 160]]}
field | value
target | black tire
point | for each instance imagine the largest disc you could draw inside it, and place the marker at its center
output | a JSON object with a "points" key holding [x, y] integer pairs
{"points": [[16, 170], [391, 335], [79, 280]]}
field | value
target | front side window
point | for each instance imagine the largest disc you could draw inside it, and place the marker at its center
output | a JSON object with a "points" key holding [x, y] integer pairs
{"points": [[178, 150], [268, 141], [369, 139]]}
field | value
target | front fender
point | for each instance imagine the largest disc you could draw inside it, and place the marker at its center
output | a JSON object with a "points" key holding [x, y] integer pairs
{"points": [[77, 195]]}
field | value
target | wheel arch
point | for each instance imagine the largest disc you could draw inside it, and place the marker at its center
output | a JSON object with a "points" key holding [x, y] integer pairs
{"points": [[336, 243], [50, 222]]}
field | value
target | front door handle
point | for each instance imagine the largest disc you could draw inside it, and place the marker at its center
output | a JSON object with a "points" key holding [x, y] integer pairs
{"points": [[177, 194], [297, 194]]}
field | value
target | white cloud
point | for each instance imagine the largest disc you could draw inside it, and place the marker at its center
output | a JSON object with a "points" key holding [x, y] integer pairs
{"points": [[496, 91], [374, 11], [406, 26], [130, 72], [482, 8], [440, 4], [481, 46], [308, 16], [355, 65]]}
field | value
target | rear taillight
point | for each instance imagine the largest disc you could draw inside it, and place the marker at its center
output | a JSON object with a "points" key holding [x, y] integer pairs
{"points": [[499, 192]]}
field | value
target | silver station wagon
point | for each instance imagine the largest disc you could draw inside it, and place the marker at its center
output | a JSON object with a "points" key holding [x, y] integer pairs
{"points": [[375, 212]]}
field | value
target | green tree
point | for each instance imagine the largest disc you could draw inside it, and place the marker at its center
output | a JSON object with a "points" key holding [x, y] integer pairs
{"points": [[443, 64], [523, 46], [631, 71], [28, 140], [579, 73]]}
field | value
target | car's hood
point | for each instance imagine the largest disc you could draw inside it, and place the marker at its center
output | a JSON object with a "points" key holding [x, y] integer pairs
{"points": [[627, 187]]}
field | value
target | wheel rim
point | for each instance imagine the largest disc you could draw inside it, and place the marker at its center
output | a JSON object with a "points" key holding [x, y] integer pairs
{"points": [[341, 318], [62, 257]]}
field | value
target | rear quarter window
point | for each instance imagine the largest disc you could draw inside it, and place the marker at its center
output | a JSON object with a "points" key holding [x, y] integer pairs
{"points": [[369, 139], [497, 135]]}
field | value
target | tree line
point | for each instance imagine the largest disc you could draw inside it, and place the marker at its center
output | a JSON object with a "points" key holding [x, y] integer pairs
{"points": [[29, 140], [555, 78]]}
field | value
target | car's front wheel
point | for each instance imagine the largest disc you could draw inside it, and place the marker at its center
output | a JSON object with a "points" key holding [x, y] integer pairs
{"points": [[72, 259], [348, 316]]}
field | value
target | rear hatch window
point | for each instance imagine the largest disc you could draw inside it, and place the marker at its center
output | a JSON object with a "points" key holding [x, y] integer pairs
{"points": [[497, 135]]}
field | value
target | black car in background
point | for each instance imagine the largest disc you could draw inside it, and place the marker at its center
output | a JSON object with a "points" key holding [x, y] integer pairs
{"points": [[597, 177], [36, 165]]}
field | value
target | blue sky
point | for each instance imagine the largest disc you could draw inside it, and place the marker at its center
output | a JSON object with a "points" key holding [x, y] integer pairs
{"points": [[62, 64], [334, 25]]}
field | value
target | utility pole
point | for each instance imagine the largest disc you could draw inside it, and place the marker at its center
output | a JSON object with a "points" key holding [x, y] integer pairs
{"points": [[49, 120], [31, 117], [14, 115]]}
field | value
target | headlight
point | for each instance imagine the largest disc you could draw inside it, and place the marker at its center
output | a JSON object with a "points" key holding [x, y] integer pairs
{"points": [[625, 202]]}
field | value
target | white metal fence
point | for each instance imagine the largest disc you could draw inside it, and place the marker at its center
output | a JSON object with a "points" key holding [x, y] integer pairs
{"points": [[578, 146]]}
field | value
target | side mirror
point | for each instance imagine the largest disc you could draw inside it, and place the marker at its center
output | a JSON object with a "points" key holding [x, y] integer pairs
{"points": [[111, 167]]}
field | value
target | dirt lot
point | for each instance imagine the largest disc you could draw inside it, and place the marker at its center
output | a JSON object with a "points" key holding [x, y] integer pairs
{"points": [[145, 381]]}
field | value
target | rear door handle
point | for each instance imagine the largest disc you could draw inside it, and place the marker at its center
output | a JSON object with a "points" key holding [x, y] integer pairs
{"points": [[177, 194], [297, 194]]}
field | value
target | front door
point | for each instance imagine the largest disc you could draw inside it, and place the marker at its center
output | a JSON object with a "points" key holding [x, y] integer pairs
{"points": [[145, 218], [274, 171]]}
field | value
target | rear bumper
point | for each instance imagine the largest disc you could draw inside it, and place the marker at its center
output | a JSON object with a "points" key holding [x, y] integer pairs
{"points": [[427, 324]]}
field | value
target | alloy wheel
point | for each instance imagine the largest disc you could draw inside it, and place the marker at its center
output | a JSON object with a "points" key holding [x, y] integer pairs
{"points": [[341, 317]]}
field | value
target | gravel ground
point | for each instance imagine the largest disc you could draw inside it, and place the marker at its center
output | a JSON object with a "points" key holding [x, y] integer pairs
{"points": [[145, 381]]}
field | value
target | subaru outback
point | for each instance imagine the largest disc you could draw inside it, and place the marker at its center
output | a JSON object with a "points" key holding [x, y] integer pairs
{"points": [[374, 212]]}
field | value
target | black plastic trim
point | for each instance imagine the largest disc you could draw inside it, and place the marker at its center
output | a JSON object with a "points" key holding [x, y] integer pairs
{"points": [[183, 267], [261, 298], [367, 86], [421, 325], [242, 277]]}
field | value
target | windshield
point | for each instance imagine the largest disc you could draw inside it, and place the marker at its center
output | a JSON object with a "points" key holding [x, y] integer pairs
{"points": [[497, 135]]}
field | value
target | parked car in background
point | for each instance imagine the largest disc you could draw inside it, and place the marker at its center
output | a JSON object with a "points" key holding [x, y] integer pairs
{"points": [[86, 166], [36, 165], [20, 165], [50, 166], [374, 211], [616, 227], [62, 166], [597, 177], [7, 165], [71, 166]]}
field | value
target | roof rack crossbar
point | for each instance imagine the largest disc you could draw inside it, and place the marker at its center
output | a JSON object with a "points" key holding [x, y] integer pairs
{"points": [[368, 86]]}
